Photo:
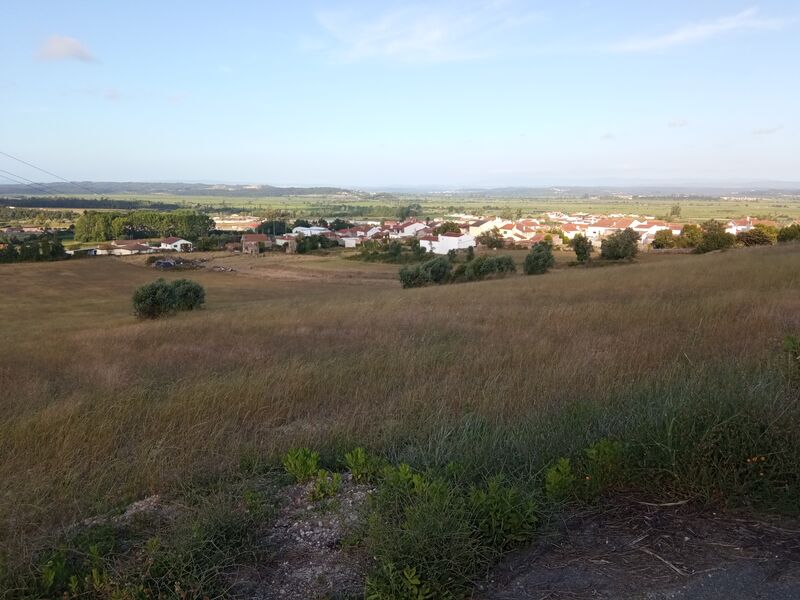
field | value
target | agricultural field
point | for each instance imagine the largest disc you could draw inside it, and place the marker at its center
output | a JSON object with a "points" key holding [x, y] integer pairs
{"points": [[362, 205], [679, 357]]}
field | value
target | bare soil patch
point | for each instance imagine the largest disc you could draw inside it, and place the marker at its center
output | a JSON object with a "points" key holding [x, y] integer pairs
{"points": [[629, 550]]}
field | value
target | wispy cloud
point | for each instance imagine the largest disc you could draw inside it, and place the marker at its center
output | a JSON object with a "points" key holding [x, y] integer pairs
{"points": [[767, 130], [608, 136], [420, 33], [678, 124], [62, 47], [698, 32]]}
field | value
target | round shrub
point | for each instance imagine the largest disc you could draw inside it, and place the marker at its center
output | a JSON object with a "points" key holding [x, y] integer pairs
{"points": [[189, 295], [437, 270], [539, 260], [160, 298], [154, 300]]}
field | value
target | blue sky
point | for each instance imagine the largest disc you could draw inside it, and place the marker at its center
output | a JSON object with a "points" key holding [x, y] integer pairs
{"points": [[469, 93]]}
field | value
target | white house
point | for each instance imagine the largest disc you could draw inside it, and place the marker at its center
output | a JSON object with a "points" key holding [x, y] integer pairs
{"points": [[446, 242], [351, 241], [308, 231], [177, 244], [407, 229], [604, 227]]}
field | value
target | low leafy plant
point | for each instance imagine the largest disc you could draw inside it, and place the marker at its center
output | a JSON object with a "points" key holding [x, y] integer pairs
{"points": [[361, 465], [605, 466], [398, 585], [301, 463], [326, 485], [559, 480], [503, 514]]}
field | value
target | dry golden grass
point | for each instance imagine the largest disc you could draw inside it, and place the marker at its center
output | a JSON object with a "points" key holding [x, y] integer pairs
{"points": [[98, 408]]}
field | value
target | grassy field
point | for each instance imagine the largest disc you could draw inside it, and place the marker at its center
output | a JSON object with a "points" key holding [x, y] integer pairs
{"points": [[692, 208], [99, 409]]}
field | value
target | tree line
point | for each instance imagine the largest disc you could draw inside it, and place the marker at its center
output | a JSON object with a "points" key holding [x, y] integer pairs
{"points": [[43, 248], [93, 226]]}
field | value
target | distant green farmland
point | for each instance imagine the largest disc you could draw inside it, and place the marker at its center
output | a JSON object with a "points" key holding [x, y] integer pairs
{"points": [[388, 205]]}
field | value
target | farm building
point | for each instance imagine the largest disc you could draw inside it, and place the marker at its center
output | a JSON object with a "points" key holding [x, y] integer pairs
{"points": [[255, 243], [177, 244]]}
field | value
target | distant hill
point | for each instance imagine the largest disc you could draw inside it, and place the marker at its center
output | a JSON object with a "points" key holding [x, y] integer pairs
{"points": [[170, 189]]}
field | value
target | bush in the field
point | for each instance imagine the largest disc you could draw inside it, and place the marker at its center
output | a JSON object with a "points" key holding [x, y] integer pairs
{"points": [[160, 298]]}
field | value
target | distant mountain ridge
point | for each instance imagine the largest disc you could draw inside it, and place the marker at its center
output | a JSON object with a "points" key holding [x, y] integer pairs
{"points": [[110, 188], [173, 189]]}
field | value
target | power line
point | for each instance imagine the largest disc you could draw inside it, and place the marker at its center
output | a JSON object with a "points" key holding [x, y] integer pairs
{"points": [[47, 172], [24, 181]]}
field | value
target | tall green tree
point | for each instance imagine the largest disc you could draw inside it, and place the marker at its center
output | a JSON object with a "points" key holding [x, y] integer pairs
{"points": [[539, 260], [583, 248]]}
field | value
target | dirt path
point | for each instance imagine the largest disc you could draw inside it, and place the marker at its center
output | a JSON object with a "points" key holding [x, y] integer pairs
{"points": [[633, 551]]}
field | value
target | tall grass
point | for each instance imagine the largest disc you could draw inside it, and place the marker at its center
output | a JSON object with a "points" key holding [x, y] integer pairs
{"points": [[678, 357]]}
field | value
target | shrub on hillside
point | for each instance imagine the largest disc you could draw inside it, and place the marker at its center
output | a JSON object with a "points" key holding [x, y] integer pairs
{"points": [[754, 237], [160, 298], [154, 300], [582, 247], [715, 237], [436, 270], [483, 267], [189, 295], [539, 260], [620, 245], [664, 239], [691, 236], [790, 233]]}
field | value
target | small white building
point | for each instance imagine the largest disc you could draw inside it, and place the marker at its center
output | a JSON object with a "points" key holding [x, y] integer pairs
{"points": [[309, 231], [177, 244], [446, 242]]}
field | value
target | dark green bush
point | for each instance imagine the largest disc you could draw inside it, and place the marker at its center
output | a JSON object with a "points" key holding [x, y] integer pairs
{"points": [[582, 247], [790, 233], [154, 300], [620, 245], [189, 295], [539, 260], [160, 298], [715, 237], [436, 270]]}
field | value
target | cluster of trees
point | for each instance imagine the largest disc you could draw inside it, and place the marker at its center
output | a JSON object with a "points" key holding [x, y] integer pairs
{"points": [[161, 298], [88, 203], [622, 245], [44, 248], [281, 226], [790, 233], [440, 270], [95, 226], [711, 235], [215, 241], [412, 210], [309, 243], [491, 239], [35, 216], [690, 237], [447, 227], [394, 251]]}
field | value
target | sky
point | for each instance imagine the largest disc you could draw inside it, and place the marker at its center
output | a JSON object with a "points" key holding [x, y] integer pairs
{"points": [[379, 93]]}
